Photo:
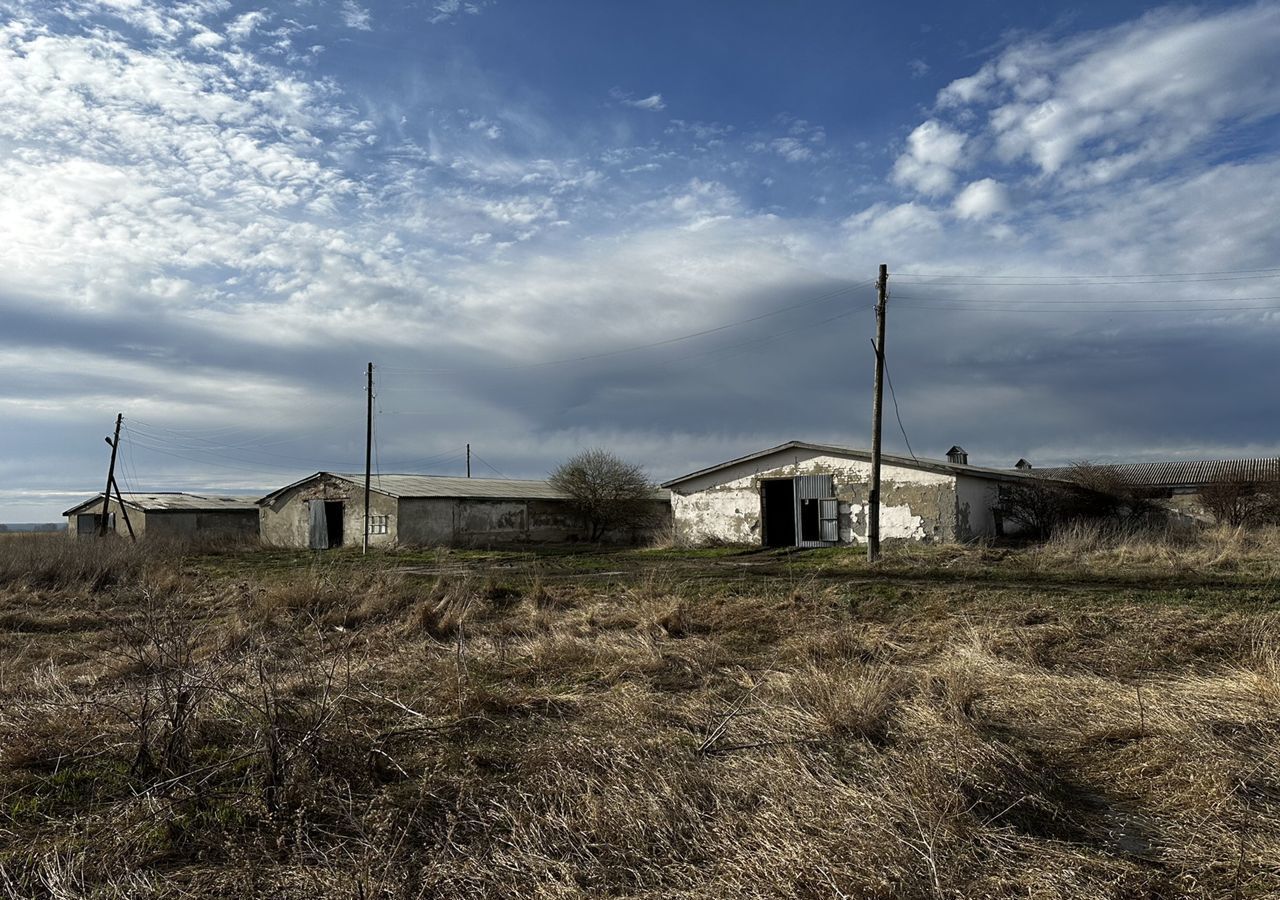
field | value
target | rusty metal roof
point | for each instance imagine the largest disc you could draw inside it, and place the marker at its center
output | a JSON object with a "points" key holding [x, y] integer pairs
{"points": [[173, 502], [439, 486], [1186, 473]]}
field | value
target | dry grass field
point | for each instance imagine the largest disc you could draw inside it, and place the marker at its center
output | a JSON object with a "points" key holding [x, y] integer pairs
{"points": [[1094, 718]]}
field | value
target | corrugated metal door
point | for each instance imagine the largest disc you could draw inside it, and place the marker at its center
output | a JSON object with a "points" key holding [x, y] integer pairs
{"points": [[829, 520], [815, 487], [319, 537], [812, 491]]}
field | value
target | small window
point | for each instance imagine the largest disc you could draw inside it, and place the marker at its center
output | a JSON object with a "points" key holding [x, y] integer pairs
{"points": [[91, 523], [379, 524]]}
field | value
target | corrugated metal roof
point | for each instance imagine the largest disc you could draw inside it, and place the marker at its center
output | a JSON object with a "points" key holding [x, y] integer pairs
{"points": [[174, 502], [907, 462], [456, 486], [424, 486], [1186, 473]]}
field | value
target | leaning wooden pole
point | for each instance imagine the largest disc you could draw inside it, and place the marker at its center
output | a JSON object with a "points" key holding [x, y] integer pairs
{"points": [[111, 477], [124, 511], [873, 494]]}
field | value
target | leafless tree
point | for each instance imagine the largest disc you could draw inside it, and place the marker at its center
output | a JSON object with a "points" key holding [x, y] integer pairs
{"points": [[609, 491], [1085, 492], [1241, 501]]}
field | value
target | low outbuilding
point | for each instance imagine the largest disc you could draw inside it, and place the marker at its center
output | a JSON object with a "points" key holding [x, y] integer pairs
{"points": [[326, 510], [800, 494], [1178, 484], [173, 515]]}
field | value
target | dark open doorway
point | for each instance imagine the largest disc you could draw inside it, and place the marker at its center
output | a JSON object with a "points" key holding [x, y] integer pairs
{"points": [[333, 521], [778, 512], [809, 529]]}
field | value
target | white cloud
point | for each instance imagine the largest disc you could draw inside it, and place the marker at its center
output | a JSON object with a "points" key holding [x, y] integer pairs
{"points": [[966, 90], [219, 213], [981, 199], [792, 149], [207, 39], [933, 153], [918, 68], [652, 103], [355, 16], [244, 25], [450, 10], [487, 127], [1092, 109]]}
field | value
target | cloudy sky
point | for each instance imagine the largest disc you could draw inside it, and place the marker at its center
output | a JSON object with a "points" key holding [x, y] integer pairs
{"points": [[648, 226]]}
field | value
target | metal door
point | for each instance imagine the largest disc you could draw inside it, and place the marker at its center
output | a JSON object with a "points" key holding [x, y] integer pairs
{"points": [[319, 537], [820, 489], [829, 520]]}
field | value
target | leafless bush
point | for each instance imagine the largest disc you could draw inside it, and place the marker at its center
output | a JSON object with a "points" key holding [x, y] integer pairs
{"points": [[1241, 502], [609, 492], [160, 650], [1086, 493]]}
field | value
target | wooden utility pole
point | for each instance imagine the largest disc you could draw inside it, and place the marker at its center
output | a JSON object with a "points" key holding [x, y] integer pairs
{"points": [[124, 511], [111, 477], [368, 452], [468, 460], [873, 496]]}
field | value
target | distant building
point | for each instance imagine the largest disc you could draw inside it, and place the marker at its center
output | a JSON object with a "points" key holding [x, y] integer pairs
{"points": [[1183, 476], [813, 495], [168, 515], [326, 510], [1177, 484]]}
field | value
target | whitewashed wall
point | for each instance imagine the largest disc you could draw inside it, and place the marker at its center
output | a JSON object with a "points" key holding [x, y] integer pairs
{"points": [[725, 505]]}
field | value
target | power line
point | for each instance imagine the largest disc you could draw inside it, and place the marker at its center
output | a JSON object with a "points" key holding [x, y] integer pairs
{"points": [[942, 307], [205, 462], [1086, 301], [897, 414], [1226, 274], [477, 456], [1083, 282], [144, 438]]}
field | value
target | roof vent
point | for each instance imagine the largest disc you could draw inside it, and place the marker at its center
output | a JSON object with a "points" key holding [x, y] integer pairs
{"points": [[958, 456], [1022, 464]]}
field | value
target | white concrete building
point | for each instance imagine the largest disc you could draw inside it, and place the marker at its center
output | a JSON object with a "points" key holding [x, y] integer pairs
{"points": [[812, 495], [326, 510]]}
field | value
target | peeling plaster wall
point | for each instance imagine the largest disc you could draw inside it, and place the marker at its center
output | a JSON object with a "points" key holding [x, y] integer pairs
{"points": [[725, 505], [285, 521]]}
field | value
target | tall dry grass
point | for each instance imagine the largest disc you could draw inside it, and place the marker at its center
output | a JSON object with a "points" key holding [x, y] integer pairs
{"points": [[1100, 547], [320, 734]]}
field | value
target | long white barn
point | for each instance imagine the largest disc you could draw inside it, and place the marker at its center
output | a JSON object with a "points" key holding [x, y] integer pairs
{"points": [[813, 495]]}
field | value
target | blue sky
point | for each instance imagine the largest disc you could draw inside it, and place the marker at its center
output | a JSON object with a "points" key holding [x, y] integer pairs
{"points": [[213, 213]]}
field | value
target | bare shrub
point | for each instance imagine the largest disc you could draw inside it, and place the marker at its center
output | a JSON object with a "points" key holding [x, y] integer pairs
{"points": [[160, 650], [609, 492], [1241, 502], [1086, 493]]}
